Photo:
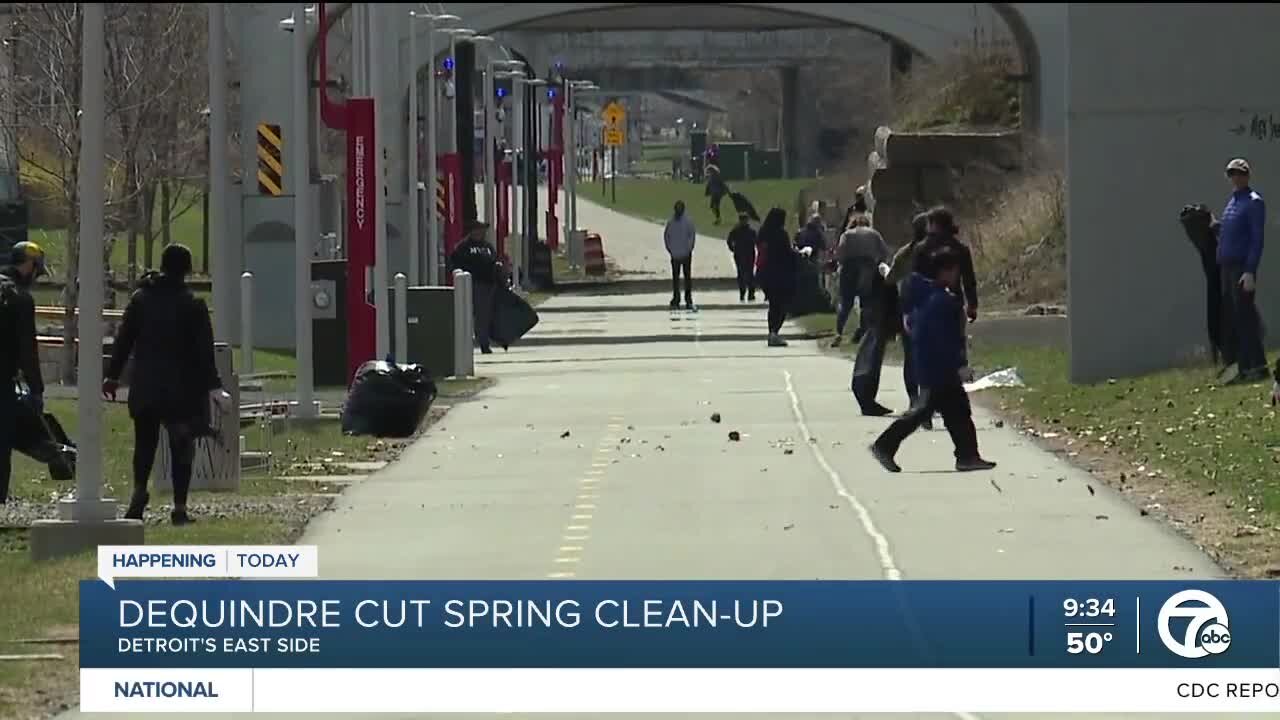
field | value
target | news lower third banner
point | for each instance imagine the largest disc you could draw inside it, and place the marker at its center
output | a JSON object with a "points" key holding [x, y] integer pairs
{"points": [[305, 645]]}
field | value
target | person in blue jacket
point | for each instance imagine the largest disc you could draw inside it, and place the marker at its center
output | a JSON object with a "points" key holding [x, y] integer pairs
{"points": [[937, 326], [1239, 252]]}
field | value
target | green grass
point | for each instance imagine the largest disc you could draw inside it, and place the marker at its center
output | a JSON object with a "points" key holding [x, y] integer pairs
{"points": [[187, 230], [1177, 422], [43, 599], [653, 199]]}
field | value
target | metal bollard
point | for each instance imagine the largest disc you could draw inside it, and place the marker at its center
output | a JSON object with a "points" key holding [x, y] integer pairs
{"points": [[463, 323], [246, 323], [402, 318]]}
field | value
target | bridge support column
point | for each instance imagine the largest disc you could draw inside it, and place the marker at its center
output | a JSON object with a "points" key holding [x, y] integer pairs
{"points": [[790, 81]]}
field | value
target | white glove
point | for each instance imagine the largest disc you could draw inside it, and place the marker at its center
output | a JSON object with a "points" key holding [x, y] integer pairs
{"points": [[221, 398], [966, 374], [884, 270], [806, 251]]}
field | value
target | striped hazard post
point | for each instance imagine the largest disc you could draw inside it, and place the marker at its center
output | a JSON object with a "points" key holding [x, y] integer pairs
{"points": [[270, 160], [593, 254], [442, 198]]}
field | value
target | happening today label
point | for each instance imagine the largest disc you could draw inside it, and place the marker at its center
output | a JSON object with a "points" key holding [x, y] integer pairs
{"points": [[206, 561]]}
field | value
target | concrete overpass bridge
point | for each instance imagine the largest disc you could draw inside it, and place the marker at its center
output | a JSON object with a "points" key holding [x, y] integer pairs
{"points": [[1143, 128], [265, 222]]}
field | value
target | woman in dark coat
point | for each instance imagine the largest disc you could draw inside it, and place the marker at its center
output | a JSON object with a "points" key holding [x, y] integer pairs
{"points": [[167, 333], [778, 275]]}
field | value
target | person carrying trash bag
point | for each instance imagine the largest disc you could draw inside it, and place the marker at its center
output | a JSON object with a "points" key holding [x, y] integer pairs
{"points": [[19, 349], [168, 335], [476, 256]]}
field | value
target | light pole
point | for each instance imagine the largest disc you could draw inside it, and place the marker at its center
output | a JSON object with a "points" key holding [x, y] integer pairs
{"points": [[223, 271], [451, 136], [517, 246], [490, 173], [572, 88], [415, 239], [303, 237], [525, 88], [92, 179]]}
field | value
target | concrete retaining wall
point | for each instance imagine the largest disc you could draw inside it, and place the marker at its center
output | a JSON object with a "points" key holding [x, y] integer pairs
{"points": [[912, 171]]}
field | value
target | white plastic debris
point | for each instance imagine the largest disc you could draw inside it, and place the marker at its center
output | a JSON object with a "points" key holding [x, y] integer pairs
{"points": [[1006, 378]]}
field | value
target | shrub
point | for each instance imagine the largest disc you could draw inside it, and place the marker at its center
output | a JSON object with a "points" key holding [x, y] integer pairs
{"points": [[1020, 246]]}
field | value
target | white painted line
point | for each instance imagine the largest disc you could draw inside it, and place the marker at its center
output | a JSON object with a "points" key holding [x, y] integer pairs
{"points": [[567, 560], [578, 528], [588, 496], [890, 568], [584, 506], [582, 517], [597, 472], [570, 548], [576, 538], [559, 575]]}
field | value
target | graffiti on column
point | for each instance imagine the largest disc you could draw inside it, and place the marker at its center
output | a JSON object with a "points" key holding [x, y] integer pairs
{"points": [[1260, 127]]}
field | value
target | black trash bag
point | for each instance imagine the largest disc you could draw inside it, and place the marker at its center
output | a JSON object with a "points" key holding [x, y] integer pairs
{"points": [[811, 297], [512, 318], [742, 205], [387, 400], [41, 438], [1202, 231]]}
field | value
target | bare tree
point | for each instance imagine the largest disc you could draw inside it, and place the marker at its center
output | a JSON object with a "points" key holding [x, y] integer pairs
{"points": [[46, 96]]}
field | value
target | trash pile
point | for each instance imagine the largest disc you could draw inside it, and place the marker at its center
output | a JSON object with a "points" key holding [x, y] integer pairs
{"points": [[1007, 378], [387, 400]]}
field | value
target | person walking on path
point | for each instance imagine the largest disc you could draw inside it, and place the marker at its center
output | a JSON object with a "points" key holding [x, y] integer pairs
{"points": [[680, 236], [716, 190], [742, 244], [900, 269], [778, 275], [1239, 253], [862, 250], [938, 333], [476, 256], [19, 348], [167, 333]]}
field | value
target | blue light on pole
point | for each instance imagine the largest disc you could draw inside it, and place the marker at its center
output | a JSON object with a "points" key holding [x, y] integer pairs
{"points": [[448, 63], [502, 92]]}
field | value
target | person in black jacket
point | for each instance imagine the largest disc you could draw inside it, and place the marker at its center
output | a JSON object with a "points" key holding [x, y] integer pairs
{"points": [[778, 274], [938, 338], [742, 243], [167, 333], [476, 256], [19, 351], [943, 232]]}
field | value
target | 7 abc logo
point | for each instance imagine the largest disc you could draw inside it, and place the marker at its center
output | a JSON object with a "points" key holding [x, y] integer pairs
{"points": [[1206, 632]]}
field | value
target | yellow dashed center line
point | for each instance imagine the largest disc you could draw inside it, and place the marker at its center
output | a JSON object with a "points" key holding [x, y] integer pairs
{"points": [[578, 531]]}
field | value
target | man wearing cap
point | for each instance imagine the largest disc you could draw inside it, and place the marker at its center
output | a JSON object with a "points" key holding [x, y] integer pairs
{"points": [[476, 256], [1239, 252], [19, 353]]}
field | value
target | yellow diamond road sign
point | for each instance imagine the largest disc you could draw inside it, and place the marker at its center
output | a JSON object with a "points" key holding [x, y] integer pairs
{"points": [[614, 137], [614, 115]]}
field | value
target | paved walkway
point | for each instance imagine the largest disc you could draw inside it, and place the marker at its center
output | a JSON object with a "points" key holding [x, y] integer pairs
{"points": [[636, 245], [647, 486]]}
